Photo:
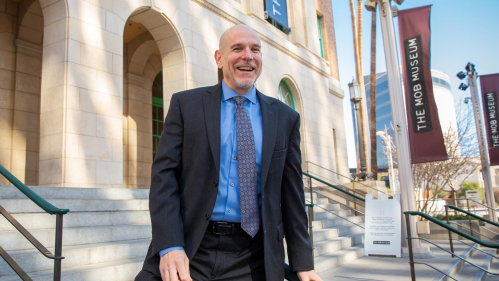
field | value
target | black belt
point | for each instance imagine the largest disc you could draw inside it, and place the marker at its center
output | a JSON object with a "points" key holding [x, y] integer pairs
{"points": [[224, 228]]}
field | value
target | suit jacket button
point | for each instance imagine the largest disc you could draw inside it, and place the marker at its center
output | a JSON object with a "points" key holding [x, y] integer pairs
{"points": [[215, 183], [207, 217]]}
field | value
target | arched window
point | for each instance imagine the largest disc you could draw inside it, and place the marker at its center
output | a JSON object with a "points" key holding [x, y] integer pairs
{"points": [[285, 95], [157, 111]]}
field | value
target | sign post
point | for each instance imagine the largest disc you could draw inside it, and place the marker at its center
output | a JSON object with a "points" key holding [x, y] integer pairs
{"points": [[473, 195]]}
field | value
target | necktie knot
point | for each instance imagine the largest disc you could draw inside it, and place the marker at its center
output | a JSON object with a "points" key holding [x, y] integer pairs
{"points": [[239, 100]]}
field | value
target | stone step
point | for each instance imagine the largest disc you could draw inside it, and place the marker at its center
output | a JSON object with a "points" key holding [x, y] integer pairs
{"points": [[50, 192], [335, 244], [14, 206], [307, 195], [326, 207], [334, 232], [122, 270], [332, 214], [77, 219], [13, 240], [32, 260], [328, 261], [468, 271], [326, 223]]}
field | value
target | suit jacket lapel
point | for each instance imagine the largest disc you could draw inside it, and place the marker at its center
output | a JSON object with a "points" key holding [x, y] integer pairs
{"points": [[212, 107], [269, 131]]}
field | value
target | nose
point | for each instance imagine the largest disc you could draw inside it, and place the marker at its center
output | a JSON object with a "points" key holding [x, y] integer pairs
{"points": [[247, 55]]}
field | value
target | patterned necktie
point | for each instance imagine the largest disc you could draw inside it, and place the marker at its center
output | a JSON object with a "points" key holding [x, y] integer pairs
{"points": [[247, 174]]}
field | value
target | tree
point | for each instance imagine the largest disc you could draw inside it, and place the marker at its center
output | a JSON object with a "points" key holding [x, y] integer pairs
{"points": [[469, 185], [372, 99], [431, 178]]}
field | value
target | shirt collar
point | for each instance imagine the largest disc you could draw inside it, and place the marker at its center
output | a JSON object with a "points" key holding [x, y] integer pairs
{"points": [[228, 93]]}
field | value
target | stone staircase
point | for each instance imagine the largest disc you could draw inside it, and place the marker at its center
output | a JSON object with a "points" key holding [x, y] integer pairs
{"points": [[464, 271], [107, 233], [336, 241]]}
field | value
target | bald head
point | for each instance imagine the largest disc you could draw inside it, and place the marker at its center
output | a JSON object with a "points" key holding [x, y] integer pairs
{"points": [[229, 33]]}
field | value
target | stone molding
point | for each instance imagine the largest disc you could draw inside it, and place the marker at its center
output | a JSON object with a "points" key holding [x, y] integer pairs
{"points": [[335, 88], [211, 7], [135, 79], [28, 49]]}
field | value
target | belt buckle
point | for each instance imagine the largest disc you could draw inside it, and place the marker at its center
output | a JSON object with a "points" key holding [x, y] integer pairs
{"points": [[217, 223]]}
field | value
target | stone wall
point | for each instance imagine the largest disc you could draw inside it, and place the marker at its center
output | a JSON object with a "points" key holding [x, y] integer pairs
{"points": [[84, 81]]}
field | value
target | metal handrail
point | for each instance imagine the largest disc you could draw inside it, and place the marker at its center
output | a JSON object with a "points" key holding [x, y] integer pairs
{"points": [[471, 230], [317, 165], [315, 205], [47, 207], [325, 196], [471, 214], [42, 203], [333, 186], [450, 229], [473, 246], [451, 253]]}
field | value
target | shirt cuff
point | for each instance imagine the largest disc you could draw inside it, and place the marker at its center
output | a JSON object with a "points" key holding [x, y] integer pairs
{"points": [[163, 252]]}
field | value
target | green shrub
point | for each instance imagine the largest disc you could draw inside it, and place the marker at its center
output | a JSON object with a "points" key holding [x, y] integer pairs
{"points": [[469, 185], [454, 217]]}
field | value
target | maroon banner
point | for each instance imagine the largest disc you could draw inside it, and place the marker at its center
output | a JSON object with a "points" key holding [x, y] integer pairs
{"points": [[490, 88], [425, 135]]}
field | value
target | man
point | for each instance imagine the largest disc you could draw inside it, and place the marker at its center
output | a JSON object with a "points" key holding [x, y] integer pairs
{"points": [[226, 182]]}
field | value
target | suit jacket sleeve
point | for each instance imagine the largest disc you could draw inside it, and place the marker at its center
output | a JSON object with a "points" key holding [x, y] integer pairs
{"points": [[293, 207], [164, 196]]}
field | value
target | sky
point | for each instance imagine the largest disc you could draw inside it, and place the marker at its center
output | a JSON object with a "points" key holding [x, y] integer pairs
{"points": [[462, 31]]}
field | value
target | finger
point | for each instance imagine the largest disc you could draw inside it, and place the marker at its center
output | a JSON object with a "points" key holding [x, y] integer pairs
{"points": [[187, 269], [172, 271], [162, 270]]}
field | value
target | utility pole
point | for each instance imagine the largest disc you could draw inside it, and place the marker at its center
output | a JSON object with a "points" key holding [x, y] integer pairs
{"points": [[407, 195], [482, 145]]}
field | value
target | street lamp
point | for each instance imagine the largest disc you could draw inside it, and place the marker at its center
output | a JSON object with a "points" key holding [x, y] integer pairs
{"points": [[356, 98], [388, 142], [482, 144]]}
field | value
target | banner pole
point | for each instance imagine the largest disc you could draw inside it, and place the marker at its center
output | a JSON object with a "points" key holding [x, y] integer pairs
{"points": [[407, 195], [482, 145]]}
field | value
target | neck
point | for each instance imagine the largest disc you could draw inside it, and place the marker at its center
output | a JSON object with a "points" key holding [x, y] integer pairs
{"points": [[240, 91]]}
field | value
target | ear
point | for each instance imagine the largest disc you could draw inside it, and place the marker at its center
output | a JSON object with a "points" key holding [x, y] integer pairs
{"points": [[218, 59]]}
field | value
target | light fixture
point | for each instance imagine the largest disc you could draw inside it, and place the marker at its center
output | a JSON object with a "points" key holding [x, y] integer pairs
{"points": [[463, 87], [461, 75], [354, 88], [470, 67], [371, 5], [467, 100]]}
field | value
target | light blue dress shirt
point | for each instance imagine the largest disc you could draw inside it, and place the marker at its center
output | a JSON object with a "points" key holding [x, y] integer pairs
{"points": [[227, 207]]}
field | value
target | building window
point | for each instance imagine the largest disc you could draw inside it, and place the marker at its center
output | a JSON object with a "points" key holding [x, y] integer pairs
{"points": [[321, 42], [285, 95], [157, 111]]}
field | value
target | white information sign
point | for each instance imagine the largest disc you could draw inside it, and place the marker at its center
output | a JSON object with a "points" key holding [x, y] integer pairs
{"points": [[383, 226], [473, 195]]}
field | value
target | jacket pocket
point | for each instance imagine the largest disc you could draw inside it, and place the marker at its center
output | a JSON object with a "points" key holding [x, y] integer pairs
{"points": [[279, 154], [280, 232]]}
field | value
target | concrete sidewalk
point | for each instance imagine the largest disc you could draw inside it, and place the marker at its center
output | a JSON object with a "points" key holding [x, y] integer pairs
{"points": [[393, 269]]}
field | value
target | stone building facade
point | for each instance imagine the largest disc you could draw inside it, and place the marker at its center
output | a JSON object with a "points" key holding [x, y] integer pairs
{"points": [[85, 84]]}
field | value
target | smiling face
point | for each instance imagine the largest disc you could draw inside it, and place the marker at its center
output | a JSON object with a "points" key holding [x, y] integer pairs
{"points": [[240, 58]]}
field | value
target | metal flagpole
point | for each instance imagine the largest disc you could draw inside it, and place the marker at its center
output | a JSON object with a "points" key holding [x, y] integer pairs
{"points": [[407, 195], [482, 145]]}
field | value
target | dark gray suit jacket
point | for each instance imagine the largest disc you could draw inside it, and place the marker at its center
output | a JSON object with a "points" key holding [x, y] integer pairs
{"points": [[185, 175]]}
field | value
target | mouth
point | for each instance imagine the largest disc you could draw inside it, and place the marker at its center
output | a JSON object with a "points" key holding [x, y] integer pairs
{"points": [[245, 68]]}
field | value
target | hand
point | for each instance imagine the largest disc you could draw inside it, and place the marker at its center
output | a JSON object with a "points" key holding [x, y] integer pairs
{"points": [[308, 276], [172, 263]]}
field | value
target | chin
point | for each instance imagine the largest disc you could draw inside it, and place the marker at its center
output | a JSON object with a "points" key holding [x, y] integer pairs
{"points": [[246, 83]]}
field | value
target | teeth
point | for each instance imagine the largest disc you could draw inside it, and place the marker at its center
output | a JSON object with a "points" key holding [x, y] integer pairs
{"points": [[245, 68]]}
